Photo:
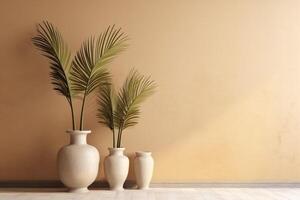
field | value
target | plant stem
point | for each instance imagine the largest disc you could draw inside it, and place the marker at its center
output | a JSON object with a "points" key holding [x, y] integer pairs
{"points": [[82, 112], [73, 116], [119, 137], [114, 138]]}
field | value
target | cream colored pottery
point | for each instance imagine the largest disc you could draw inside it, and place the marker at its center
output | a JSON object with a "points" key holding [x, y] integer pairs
{"points": [[78, 162], [116, 167], [143, 168]]}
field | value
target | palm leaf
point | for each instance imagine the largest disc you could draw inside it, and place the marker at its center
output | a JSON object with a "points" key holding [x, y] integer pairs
{"points": [[135, 90], [51, 43], [106, 102], [106, 106], [89, 70]]}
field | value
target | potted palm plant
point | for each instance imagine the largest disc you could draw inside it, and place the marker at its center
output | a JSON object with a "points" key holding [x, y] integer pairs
{"points": [[78, 77], [119, 112]]}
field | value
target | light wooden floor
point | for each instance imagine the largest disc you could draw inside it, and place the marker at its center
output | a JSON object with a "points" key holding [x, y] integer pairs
{"points": [[160, 194]]}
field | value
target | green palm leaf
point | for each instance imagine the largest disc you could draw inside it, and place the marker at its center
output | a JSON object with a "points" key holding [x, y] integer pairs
{"points": [[51, 43], [89, 70], [135, 90], [106, 104]]}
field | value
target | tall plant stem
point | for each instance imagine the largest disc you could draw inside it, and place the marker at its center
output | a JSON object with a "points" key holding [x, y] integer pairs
{"points": [[119, 137], [114, 138], [73, 115], [82, 111]]}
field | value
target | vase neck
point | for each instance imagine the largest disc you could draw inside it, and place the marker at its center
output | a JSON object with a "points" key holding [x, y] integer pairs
{"points": [[143, 153], [78, 137], [116, 151]]}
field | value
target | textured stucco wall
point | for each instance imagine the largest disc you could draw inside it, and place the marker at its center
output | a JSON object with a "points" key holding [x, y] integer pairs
{"points": [[228, 104]]}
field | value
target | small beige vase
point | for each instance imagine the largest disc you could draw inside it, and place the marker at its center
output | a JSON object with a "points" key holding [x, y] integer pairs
{"points": [[116, 166], [143, 169], [78, 162]]}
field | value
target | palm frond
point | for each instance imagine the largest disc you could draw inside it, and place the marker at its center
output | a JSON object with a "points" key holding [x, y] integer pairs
{"points": [[89, 70], [51, 43], [106, 104], [135, 90]]}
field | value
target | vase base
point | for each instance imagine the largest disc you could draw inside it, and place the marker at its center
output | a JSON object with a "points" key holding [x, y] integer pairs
{"points": [[78, 190]]}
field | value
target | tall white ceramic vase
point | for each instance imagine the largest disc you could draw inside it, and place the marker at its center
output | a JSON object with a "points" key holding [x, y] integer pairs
{"points": [[78, 162], [143, 168], [116, 166]]}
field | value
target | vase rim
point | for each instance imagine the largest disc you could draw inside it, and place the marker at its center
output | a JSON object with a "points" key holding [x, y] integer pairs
{"points": [[111, 149], [143, 153], [78, 131]]}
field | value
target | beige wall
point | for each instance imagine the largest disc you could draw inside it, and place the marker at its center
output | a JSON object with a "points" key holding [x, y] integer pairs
{"points": [[228, 103]]}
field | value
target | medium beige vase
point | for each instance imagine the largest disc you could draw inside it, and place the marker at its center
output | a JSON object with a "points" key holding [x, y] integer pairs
{"points": [[78, 162], [116, 166], [143, 168]]}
